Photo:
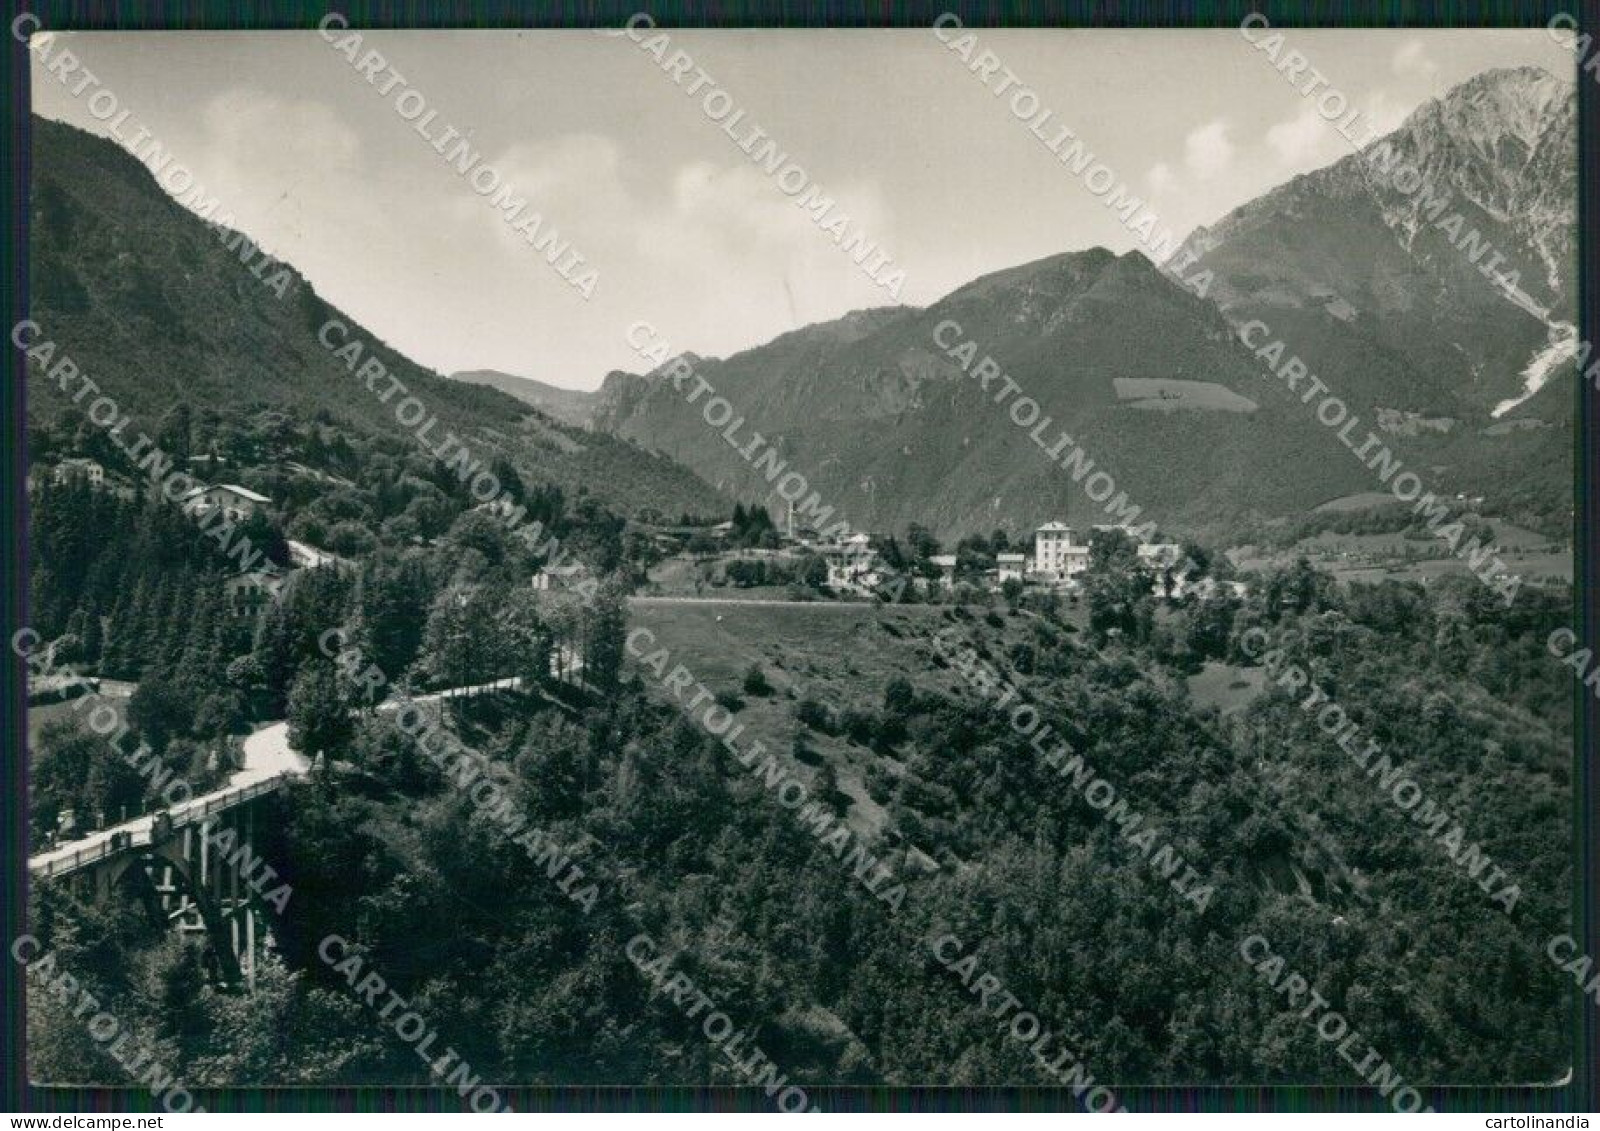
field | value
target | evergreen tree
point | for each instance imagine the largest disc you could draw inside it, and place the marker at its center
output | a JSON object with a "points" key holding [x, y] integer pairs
{"points": [[173, 433], [605, 632], [1118, 587], [93, 639], [275, 659], [527, 636], [450, 643], [390, 598], [69, 646], [319, 711], [131, 633]]}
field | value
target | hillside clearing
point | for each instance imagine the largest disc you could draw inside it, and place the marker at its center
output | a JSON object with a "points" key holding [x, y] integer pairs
{"points": [[841, 655]]}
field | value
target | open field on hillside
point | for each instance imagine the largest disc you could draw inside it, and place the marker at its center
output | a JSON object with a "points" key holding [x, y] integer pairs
{"points": [[77, 709], [842, 656], [684, 575], [1227, 687], [1373, 557], [1165, 394], [1359, 501]]}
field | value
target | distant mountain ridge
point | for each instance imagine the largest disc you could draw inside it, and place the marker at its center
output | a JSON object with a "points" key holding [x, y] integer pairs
{"points": [[1381, 291], [149, 302], [1366, 282], [570, 406], [891, 429], [1397, 297], [1395, 289]]}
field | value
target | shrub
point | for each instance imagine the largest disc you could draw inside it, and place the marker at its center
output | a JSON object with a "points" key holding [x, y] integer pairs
{"points": [[880, 783], [803, 751], [755, 682], [814, 715], [899, 697], [891, 732], [861, 726]]}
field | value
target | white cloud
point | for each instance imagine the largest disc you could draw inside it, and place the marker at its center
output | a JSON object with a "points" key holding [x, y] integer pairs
{"points": [[1206, 183], [1383, 112], [1412, 60], [715, 252], [1305, 138], [1207, 150], [240, 120], [259, 150], [566, 170]]}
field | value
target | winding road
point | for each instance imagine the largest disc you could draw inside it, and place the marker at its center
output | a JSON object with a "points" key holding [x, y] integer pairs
{"points": [[756, 602], [268, 758]]}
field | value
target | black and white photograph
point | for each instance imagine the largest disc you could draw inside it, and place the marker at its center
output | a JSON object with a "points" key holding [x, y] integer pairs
{"points": [[758, 568]]}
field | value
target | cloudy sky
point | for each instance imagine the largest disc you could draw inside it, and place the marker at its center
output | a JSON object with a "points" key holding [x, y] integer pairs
{"points": [[683, 229]]}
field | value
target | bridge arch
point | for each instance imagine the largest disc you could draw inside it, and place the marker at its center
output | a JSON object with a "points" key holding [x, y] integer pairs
{"points": [[193, 872]]}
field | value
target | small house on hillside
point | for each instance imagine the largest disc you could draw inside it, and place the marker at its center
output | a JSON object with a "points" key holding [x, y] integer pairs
{"points": [[79, 468], [236, 503], [852, 563], [249, 591], [557, 577], [946, 565], [1057, 554]]}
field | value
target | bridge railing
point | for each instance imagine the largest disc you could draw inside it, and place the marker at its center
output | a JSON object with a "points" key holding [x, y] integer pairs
{"points": [[190, 813], [202, 807], [44, 869]]}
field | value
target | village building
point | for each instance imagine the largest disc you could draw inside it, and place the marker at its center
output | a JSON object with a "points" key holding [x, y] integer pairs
{"points": [[1057, 555], [551, 578], [235, 503], [79, 468], [852, 563], [249, 591], [1010, 567]]}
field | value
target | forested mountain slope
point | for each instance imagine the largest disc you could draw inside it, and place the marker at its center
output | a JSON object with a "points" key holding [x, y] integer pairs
{"points": [[161, 309]]}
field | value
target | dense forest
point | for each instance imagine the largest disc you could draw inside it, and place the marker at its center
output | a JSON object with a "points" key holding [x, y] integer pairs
{"points": [[126, 585], [484, 936], [632, 819]]}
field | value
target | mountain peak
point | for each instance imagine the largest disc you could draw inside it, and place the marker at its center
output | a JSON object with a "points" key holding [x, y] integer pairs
{"points": [[1518, 103], [687, 357], [1513, 82], [1059, 275]]}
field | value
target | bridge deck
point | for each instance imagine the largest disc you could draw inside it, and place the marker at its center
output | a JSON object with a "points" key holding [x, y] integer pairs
{"points": [[97, 846], [269, 761]]}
